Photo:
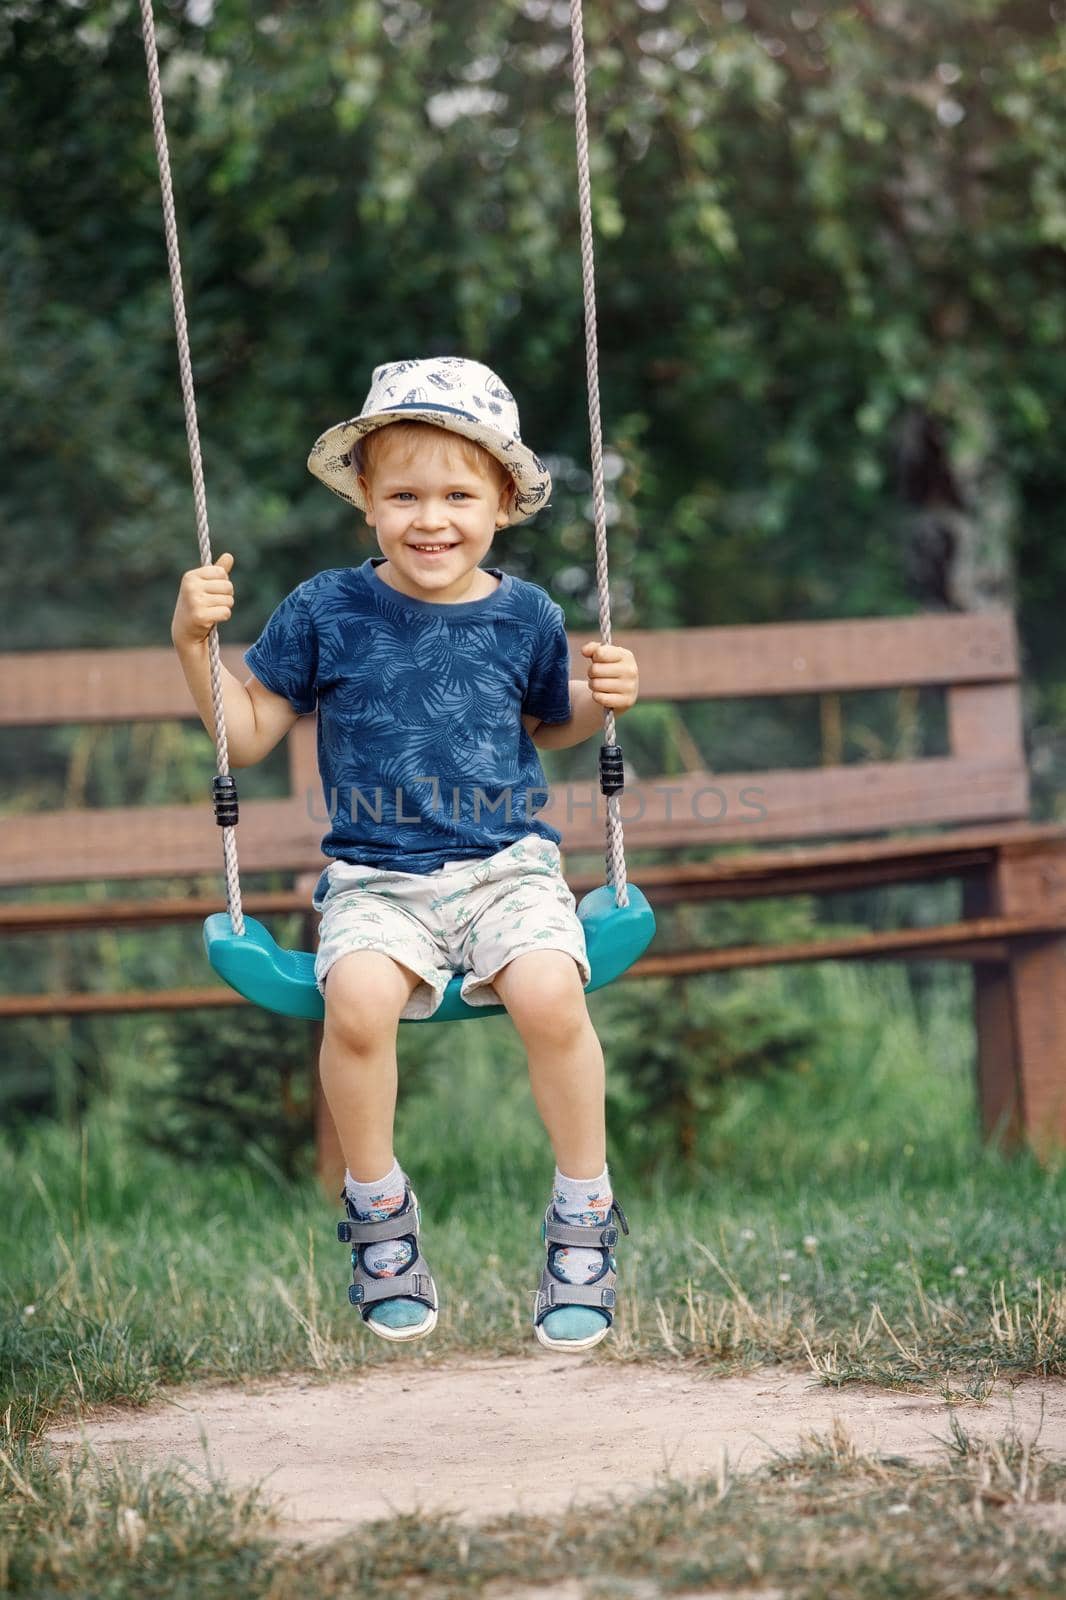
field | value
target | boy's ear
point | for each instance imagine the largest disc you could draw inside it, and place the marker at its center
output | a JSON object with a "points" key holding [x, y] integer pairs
{"points": [[369, 513], [507, 493]]}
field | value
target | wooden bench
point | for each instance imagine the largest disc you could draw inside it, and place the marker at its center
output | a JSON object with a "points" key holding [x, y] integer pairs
{"points": [[975, 797]]}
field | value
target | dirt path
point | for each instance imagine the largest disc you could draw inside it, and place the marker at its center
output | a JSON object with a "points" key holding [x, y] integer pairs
{"points": [[481, 1438]]}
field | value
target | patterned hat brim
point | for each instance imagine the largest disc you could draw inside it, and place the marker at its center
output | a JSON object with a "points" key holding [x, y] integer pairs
{"points": [[331, 454]]}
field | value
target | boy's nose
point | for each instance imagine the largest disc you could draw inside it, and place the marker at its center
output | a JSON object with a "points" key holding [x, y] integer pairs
{"points": [[432, 517]]}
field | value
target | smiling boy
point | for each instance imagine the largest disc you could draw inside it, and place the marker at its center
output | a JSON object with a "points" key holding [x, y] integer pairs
{"points": [[435, 680]]}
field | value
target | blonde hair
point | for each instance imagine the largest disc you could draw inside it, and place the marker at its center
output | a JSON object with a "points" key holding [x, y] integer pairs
{"points": [[407, 438]]}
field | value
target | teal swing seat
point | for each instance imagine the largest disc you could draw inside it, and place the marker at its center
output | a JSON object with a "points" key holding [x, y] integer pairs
{"points": [[284, 980]]}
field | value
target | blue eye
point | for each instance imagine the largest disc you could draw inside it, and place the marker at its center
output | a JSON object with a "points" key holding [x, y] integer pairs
{"points": [[406, 494]]}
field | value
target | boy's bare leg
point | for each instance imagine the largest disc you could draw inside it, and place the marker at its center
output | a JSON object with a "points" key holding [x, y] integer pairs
{"points": [[365, 993], [542, 992]]}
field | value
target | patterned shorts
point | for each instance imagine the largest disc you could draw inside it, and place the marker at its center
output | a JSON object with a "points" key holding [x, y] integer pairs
{"points": [[469, 916]]}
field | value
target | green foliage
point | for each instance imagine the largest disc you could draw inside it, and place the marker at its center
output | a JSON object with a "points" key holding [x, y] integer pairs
{"points": [[677, 1046], [230, 1086], [811, 224]]}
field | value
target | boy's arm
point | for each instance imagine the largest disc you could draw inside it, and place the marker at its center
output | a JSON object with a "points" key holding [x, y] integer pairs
{"points": [[613, 681], [256, 718], [586, 719]]}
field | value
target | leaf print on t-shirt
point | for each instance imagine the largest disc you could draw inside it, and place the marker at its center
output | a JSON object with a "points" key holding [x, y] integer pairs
{"points": [[423, 698]]}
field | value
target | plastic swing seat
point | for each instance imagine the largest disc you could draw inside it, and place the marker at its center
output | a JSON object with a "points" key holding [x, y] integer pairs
{"points": [[284, 980]]}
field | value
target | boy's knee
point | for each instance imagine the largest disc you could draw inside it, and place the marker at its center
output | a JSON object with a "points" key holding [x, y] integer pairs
{"points": [[543, 989], [365, 993]]}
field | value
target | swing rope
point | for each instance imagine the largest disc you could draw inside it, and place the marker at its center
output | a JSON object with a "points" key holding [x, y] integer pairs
{"points": [[610, 755], [616, 860], [223, 781]]}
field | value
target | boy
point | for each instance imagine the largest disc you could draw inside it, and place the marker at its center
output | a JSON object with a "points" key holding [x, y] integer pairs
{"points": [[434, 679]]}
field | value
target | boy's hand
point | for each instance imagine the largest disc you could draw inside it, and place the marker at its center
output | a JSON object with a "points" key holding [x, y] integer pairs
{"points": [[613, 676], [205, 598]]}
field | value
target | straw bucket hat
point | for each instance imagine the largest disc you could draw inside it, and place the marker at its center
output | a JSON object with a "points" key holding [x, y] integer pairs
{"points": [[449, 392]]}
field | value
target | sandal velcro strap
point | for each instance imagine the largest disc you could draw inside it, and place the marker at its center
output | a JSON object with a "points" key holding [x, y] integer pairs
{"points": [[593, 1237], [406, 1285], [552, 1296], [402, 1224]]}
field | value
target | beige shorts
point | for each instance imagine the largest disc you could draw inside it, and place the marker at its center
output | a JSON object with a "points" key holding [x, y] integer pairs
{"points": [[469, 916]]}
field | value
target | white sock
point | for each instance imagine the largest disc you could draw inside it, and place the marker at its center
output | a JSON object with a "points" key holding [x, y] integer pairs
{"points": [[585, 1201], [372, 1202]]}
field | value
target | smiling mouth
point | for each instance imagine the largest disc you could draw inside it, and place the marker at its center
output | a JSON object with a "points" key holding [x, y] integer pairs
{"points": [[431, 549]]}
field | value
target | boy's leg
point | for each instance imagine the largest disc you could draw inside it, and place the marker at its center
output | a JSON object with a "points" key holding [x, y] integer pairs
{"points": [[365, 993], [542, 992]]}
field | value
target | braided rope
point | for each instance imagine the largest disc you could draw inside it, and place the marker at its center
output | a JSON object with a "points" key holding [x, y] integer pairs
{"points": [[615, 856], [170, 228]]}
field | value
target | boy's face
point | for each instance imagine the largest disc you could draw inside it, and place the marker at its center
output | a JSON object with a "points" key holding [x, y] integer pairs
{"points": [[435, 518]]}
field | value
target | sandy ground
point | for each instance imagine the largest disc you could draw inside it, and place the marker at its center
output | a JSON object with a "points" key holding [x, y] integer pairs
{"points": [[481, 1438]]}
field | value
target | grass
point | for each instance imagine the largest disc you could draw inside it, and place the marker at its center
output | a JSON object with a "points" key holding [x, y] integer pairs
{"points": [[843, 1217], [140, 1277]]}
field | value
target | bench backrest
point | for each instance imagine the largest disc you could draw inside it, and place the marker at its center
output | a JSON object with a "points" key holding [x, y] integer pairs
{"points": [[983, 778]]}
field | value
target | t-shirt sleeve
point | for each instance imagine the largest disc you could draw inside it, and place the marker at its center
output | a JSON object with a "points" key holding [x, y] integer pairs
{"points": [[548, 690], [285, 655]]}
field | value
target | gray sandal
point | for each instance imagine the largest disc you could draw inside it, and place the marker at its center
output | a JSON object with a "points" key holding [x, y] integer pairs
{"points": [[554, 1293], [415, 1282]]}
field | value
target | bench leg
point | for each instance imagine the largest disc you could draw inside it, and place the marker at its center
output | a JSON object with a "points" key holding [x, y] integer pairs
{"points": [[1021, 1006], [998, 1090], [1038, 989]]}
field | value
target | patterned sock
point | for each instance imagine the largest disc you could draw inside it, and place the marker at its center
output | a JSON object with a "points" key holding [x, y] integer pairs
{"points": [[585, 1201], [373, 1202]]}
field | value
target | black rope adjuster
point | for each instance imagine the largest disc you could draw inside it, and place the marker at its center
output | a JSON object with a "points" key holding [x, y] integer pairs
{"points": [[612, 773], [224, 794]]}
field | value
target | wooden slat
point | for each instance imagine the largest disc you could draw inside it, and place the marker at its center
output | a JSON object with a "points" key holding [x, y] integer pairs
{"points": [[77, 916], [116, 1004], [871, 797], [817, 869], [985, 721], [50, 687], [154, 841], [961, 939], [980, 939], [57, 686], [818, 657], [690, 810]]}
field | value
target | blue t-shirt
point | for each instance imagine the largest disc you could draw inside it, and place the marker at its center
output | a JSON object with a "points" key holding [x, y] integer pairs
{"points": [[421, 749]]}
